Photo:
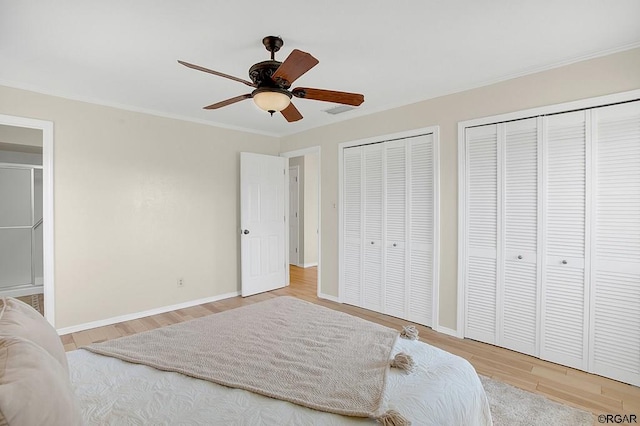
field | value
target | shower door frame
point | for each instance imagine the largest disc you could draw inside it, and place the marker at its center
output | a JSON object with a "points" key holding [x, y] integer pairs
{"points": [[47, 205]]}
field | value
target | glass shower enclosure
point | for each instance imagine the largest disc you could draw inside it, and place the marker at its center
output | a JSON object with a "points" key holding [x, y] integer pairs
{"points": [[21, 249]]}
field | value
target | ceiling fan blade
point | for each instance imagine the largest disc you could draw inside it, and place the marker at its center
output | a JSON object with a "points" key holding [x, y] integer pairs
{"points": [[346, 98], [219, 74], [291, 113], [228, 102], [296, 64]]}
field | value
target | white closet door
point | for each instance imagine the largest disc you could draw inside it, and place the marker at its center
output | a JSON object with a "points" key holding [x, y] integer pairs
{"points": [[615, 282], [564, 308], [421, 225], [352, 221], [519, 314], [482, 230], [395, 208], [373, 227]]}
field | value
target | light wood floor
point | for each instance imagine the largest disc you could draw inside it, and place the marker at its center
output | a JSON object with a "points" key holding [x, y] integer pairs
{"points": [[573, 387], [36, 301]]}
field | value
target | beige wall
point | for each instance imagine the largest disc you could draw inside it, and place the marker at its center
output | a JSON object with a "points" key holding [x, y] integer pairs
{"points": [[139, 202], [605, 75]]}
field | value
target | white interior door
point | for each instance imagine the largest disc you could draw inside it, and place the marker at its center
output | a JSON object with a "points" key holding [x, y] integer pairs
{"points": [[373, 228], [294, 219], [564, 308], [421, 192], [263, 182], [615, 265], [395, 215], [519, 293], [353, 215], [481, 233]]}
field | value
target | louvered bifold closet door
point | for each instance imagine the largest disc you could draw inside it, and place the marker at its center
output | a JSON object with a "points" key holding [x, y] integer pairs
{"points": [[520, 280], [564, 315], [373, 227], [353, 216], [481, 233], [421, 193], [615, 278], [395, 208]]}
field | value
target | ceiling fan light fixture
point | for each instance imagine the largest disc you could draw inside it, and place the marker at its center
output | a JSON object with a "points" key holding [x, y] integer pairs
{"points": [[271, 99]]}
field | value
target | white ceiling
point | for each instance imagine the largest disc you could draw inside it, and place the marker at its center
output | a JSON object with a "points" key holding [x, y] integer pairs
{"points": [[123, 53]]}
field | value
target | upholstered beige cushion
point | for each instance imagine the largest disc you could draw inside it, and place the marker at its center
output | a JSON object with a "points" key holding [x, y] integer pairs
{"points": [[34, 387], [21, 320]]}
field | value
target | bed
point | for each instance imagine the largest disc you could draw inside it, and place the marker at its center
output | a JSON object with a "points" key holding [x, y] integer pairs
{"points": [[443, 389]]}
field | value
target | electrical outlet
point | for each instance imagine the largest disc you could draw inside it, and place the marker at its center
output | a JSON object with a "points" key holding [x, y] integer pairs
{"points": [[180, 282]]}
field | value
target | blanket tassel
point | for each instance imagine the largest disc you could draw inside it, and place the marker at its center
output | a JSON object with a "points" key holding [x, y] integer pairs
{"points": [[409, 332], [403, 361], [392, 418]]}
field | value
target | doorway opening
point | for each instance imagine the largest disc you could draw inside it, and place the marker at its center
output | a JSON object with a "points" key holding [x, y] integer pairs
{"points": [[304, 214], [26, 220], [295, 219]]}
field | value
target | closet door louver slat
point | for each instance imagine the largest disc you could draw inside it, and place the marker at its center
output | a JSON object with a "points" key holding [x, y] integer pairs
{"points": [[615, 350]]}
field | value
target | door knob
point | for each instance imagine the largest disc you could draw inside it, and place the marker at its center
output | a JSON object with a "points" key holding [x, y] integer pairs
{"points": [[372, 242], [395, 245], [245, 232], [564, 262], [520, 257]]}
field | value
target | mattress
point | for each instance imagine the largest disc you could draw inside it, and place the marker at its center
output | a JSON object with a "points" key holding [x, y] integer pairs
{"points": [[443, 390]]}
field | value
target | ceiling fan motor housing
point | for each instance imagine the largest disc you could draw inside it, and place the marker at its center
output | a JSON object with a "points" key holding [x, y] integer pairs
{"points": [[262, 72]]}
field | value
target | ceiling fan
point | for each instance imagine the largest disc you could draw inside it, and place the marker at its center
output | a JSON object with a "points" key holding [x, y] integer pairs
{"points": [[272, 80]]}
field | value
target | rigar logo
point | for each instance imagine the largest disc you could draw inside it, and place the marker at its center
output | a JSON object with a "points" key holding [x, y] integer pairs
{"points": [[617, 418]]}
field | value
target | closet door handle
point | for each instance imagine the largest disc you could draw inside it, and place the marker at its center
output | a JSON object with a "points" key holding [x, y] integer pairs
{"points": [[372, 243], [564, 262], [395, 245], [519, 257]]}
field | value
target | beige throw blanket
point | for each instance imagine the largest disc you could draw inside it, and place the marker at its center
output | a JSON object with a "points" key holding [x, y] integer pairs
{"points": [[284, 348]]}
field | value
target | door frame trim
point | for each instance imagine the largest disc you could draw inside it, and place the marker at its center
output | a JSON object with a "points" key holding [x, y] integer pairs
{"points": [[47, 205]]}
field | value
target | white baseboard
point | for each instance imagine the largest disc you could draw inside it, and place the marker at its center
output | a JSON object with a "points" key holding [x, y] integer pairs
{"points": [[448, 331], [309, 265], [328, 297], [156, 311]]}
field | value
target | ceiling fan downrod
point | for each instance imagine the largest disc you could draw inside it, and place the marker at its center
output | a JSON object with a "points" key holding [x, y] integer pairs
{"points": [[272, 44]]}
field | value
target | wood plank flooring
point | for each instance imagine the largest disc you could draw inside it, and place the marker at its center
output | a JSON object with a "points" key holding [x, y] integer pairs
{"points": [[563, 384], [36, 301]]}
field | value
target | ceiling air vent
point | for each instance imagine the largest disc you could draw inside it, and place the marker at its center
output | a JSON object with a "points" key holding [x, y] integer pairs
{"points": [[339, 109]]}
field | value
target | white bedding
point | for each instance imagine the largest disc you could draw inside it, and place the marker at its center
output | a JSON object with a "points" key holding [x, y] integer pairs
{"points": [[443, 390]]}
